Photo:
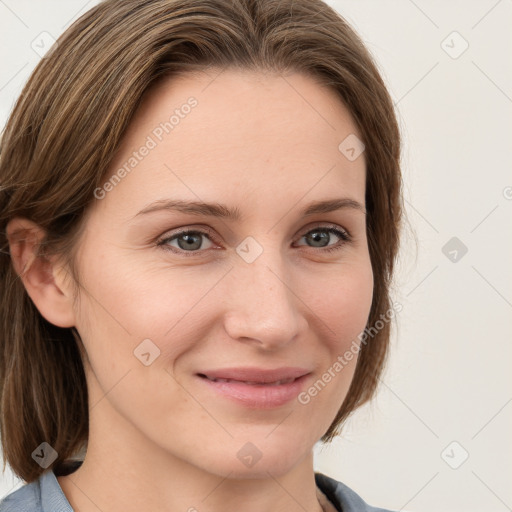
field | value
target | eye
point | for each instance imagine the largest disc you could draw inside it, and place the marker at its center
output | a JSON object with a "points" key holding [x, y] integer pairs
{"points": [[321, 235], [190, 242], [187, 242]]}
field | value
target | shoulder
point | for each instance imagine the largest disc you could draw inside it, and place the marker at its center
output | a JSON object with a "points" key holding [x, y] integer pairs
{"points": [[341, 496], [27, 499], [41, 495], [45, 495]]}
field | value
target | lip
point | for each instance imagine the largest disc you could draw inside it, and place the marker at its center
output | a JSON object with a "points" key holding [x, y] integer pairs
{"points": [[257, 387]]}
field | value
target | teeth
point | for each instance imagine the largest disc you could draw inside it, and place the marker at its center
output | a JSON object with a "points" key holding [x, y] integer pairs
{"points": [[254, 383]]}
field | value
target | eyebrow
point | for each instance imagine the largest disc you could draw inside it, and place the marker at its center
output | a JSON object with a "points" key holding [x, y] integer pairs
{"points": [[224, 212]]}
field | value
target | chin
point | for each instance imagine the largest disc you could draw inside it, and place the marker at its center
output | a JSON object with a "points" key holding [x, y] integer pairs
{"points": [[257, 457], [276, 466]]}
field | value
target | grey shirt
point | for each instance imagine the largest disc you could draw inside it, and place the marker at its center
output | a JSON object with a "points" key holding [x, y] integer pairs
{"points": [[45, 495]]}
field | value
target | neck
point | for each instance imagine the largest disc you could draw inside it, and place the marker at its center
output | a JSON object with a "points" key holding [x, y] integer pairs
{"points": [[91, 487], [144, 477]]}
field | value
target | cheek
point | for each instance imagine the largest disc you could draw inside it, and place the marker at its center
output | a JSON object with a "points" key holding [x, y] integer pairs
{"points": [[136, 300], [343, 302], [343, 305], [173, 306]]}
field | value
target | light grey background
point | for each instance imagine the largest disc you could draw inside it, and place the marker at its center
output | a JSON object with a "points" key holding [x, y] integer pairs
{"points": [[449, 376]]}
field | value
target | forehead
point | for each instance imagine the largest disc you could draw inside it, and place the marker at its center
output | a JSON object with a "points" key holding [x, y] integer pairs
{"points": [[235, 132]]}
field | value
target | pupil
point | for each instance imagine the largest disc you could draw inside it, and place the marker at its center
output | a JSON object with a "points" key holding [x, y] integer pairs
{"points": [[189, 241], [319, 235]]}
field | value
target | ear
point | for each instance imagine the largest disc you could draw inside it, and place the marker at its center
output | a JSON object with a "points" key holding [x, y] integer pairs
{"points": [[43, 279]]}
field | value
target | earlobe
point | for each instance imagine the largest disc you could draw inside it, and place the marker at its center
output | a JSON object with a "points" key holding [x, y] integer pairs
{"points": [[40, 274]]}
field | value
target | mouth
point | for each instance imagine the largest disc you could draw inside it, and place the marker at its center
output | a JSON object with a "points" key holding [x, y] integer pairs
{"points": [[256, 388], [249, 382]]}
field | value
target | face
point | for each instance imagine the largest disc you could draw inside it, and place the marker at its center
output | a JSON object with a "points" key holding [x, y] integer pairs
{"points": [[214, 338]]}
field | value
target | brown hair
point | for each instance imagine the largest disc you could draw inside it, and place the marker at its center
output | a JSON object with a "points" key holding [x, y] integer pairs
{"points": [[62, 134]]}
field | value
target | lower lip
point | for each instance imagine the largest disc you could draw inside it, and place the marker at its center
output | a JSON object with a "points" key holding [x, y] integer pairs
{"points": [[261, 396]]}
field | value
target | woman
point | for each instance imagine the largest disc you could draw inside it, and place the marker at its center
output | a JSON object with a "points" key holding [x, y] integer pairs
{"points": [[200, 214]]}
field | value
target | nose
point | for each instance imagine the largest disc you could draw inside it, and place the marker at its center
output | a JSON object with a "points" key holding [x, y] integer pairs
{"points": [[262, 306]]}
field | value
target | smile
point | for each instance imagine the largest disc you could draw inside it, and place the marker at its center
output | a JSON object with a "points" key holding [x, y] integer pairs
{"points": [[256, 388]]}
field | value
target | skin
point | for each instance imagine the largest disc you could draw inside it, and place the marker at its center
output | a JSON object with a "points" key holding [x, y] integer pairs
{"points": [[160, 439]]}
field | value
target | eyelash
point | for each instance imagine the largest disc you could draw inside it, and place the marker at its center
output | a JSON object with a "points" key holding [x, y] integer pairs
{"points": [[342, 234]]}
